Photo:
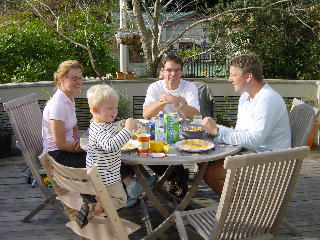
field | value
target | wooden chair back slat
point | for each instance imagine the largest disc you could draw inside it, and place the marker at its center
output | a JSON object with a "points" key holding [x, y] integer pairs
{"points": [[78, 174], [74, 185]]}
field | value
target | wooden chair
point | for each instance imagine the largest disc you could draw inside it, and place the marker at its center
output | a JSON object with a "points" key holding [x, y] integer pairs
{"points": [[26, 120], [301, 118], [254, 200], [69, 183], [206, 100]]}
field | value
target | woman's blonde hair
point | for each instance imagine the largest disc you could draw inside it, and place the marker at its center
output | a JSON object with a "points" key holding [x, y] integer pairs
{"points": [[99, 93], [64, 68]]}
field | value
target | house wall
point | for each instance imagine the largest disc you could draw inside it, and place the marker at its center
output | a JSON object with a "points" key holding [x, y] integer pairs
{"points": [[194, 35]]}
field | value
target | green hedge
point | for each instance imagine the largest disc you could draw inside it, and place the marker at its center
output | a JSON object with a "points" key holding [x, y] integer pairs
{"points": [[31, 52]]}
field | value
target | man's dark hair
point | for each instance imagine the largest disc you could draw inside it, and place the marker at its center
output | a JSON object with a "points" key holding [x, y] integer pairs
{"points": [[173, 58], [248, 63]]}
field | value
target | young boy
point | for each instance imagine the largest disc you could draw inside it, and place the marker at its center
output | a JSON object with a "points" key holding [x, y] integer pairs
{"points": [[104, 149]]}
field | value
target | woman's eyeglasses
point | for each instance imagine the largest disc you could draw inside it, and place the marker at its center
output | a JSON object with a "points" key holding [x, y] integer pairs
{"points": [[74, 79]]}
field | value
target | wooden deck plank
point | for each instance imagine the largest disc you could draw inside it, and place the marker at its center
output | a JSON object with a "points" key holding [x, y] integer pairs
{"points": [[17, 199]]}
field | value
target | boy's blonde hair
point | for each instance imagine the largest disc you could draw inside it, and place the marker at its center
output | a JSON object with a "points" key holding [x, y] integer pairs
{"points": [[99, 93]]}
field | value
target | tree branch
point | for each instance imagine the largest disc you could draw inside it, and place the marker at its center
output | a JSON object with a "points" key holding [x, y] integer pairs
{"points": [[142, 30], [175, 39], [48, 24]]}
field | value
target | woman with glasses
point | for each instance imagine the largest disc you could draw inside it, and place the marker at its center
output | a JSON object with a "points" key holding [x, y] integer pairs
{"points": [[59, 123]]}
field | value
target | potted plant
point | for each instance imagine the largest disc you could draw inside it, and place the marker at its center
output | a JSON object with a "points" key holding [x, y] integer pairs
{"points": [[125, 75], [123, 106], [223, 114], [127, 37]]}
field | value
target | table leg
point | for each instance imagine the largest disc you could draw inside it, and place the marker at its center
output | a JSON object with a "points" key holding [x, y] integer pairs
{"points": [[166, 174], [194, 187], [183, 204], [156, 233], [155, 202], [144, 171], [146, 217]]}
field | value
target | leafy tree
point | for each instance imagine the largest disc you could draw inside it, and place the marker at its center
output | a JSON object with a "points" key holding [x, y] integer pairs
{"points": [[285, 36], [31, 51], [233, 22]]}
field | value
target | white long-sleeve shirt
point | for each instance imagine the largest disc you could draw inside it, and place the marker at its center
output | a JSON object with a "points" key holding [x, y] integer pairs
{"points": [[262, 122], [104, 150]]}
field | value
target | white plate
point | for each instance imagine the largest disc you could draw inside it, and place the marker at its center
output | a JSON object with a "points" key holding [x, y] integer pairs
{"points": [[133, 144], [158, 155], [210, 146]]}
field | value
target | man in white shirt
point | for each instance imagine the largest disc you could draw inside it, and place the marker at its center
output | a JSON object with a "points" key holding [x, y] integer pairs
{"points": [[262, 121], [169, 95], [172, 94]]}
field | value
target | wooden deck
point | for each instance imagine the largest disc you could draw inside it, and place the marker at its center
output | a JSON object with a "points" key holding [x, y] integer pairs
{"points": [[17, 199]]}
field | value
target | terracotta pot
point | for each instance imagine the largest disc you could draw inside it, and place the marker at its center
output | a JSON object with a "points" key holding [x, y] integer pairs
{"points": [[129, 75], [121, 75]]}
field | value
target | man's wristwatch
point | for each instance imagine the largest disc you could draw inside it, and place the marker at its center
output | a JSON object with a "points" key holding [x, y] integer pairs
{"points": [[181, 104]]}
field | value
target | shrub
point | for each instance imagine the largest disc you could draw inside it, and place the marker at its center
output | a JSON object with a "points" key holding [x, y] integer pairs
{"points": [[30, 51], [288, 48]]}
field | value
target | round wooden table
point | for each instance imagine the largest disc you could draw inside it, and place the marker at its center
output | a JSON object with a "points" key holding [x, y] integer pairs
{"points": [[174, 157]]}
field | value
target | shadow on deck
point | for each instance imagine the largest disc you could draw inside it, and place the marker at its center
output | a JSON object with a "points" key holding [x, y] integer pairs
{"points": [[17, 199]]}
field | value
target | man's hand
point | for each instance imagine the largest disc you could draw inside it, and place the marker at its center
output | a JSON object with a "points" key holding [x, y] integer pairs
{"points": [[171, 99], [167, 98], [209, 125]]}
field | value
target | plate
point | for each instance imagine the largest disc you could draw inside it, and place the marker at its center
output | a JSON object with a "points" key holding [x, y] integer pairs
{"points": [[158, 155], [130, 145], [194, 145]]}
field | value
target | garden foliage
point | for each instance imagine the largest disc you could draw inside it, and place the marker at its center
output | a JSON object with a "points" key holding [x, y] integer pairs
{"points": [[30, 51], [286, 36]]}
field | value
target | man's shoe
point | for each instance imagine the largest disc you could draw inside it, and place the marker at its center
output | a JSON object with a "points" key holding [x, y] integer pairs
{"points": [[172, 187]]}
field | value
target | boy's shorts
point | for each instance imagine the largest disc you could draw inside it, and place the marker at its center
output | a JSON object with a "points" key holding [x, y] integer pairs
{"points": [[117, 194]]}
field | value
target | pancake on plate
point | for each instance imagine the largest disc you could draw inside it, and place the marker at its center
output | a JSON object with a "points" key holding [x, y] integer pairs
{"points": [[132, 144], [195, 144]]}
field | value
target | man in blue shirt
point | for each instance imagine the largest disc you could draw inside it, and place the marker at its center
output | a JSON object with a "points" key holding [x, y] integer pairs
{"points": [[262, 121]]}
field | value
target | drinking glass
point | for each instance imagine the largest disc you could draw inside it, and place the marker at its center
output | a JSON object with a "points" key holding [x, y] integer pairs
{"points": [[197, 119]]}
